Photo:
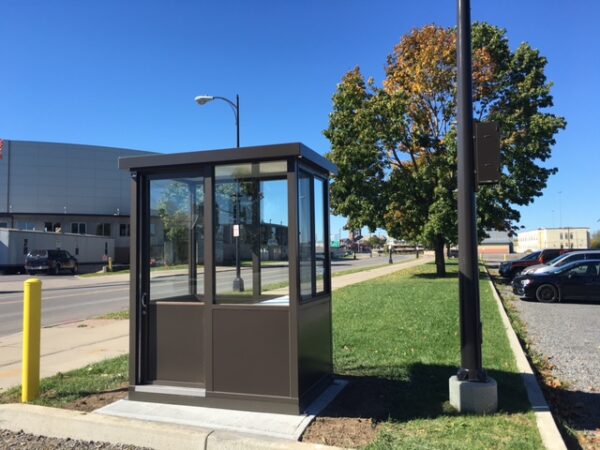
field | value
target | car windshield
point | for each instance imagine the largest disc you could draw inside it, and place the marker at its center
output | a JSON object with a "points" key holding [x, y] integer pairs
{"points": [[559, 261], [566, 266], [39, 253], [531, 256]]}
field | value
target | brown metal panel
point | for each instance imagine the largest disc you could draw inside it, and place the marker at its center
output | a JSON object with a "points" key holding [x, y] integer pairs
{"points": [[256, 269], [256, 153], [272, 404], [143, 274], [229, 155], [176, 344], [133, 284], [312, 156], [328, 271], [314, 342], [294, 272], [209, 274], [251, 351], [487, 152]]}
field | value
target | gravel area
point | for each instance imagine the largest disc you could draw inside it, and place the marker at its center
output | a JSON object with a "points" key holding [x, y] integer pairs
{"points": [[568, 334], [21, 440]]}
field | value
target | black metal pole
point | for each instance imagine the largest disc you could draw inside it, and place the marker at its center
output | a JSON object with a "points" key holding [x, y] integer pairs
{"points": [[237, 118], [470, 325], [390, 261]]}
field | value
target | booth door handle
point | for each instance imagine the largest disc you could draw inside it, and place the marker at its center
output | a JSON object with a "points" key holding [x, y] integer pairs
{"points": [[144, 302]]}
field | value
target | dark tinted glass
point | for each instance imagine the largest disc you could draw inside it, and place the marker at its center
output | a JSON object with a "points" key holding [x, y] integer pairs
{"points": [[531, 256]]}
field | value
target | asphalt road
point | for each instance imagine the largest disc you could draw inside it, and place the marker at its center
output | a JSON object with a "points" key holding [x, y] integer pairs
{"points": [[68, 298]]}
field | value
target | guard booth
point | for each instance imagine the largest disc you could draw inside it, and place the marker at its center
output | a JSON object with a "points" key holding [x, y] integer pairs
{"points": [[230, 299]]}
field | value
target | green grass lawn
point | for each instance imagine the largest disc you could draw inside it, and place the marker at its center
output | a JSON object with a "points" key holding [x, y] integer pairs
{"points": [[64, 388], [397, 339]]}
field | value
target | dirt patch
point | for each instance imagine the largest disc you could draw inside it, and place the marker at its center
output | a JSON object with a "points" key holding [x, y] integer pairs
{"points": [[341, 431], [353, 418], [92, 402]]}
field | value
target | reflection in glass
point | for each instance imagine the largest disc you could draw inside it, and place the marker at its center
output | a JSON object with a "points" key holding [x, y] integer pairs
{"points": [[320, 260], [251, 226], [176, 216], [305, 234]]}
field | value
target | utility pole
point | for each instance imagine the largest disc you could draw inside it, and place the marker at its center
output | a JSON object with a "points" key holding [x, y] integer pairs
{"points": [[470, 390], [467, 212]]}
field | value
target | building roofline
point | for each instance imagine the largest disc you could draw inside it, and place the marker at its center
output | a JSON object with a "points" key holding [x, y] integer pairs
{"points": [[228, 155], [555, 228], [75, 144]]}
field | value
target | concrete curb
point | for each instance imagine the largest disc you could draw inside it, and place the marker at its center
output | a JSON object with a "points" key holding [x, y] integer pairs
{"points": [[60, 423], [549, 433]]}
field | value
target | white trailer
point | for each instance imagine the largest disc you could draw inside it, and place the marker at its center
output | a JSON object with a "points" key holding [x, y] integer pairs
{"points": [[88, 249]]}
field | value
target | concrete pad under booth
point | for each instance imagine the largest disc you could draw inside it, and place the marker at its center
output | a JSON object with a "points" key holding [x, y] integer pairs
{"points": [[283, 426]]}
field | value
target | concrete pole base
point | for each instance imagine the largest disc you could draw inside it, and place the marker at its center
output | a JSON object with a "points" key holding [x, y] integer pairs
{"points": [[474, 397]]}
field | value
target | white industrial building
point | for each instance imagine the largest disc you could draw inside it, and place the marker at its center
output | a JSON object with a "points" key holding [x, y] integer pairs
{"points": [[68, 188], [563, 238]]}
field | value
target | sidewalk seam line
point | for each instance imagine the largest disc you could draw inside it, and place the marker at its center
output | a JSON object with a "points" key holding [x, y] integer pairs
{"points": [[68, 349]]}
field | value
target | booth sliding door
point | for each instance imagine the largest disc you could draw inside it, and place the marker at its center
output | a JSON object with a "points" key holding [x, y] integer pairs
{"points": [[173, 295]]}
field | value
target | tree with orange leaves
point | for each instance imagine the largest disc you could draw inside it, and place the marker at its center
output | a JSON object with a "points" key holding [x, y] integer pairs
{"points": [[395, 145]]}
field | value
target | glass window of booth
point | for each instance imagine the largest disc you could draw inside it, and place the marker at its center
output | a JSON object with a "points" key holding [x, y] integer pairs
{"points": [[312, 220], [251, 233], [177, 244]]}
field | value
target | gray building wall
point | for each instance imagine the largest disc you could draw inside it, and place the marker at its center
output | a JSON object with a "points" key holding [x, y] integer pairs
{"points": [[64, 183], [63, 178]]}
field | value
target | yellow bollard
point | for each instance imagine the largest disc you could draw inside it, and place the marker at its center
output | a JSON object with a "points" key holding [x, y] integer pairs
{"points": [[109, 264], [32, 322], [505, 257]]}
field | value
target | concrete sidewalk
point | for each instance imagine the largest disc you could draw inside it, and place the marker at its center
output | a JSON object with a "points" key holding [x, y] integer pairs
{"points": [[65, 424], [65, 347]]}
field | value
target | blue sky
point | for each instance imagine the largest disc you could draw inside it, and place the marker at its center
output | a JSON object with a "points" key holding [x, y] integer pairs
{"points": [[125, 74]]}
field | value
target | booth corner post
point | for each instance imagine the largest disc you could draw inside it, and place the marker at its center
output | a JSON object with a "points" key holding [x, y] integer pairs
{"points": [[471, 390], [32, 321]]}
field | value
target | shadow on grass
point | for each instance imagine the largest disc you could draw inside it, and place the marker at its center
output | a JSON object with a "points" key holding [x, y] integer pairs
{"points": [[423, 395], [447, 276]]}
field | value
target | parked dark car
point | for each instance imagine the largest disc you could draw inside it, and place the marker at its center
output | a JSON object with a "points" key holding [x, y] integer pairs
{"points": [[511, 268], [51, 261], [579, 280], [562, 260]]}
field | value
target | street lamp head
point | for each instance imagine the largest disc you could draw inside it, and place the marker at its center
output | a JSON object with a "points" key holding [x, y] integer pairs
{"points": [[204, 99]]}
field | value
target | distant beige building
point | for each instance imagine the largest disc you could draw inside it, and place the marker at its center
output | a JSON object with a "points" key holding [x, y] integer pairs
{"points": [[567, 237]]}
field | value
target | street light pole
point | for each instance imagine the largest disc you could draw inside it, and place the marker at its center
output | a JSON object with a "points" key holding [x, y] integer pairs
{"points": [[204, 99], [471, 390], [238, 282], [471, 366]]}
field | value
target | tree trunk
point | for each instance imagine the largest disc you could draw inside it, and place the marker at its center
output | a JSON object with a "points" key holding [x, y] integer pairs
{"points": [[440, 263]]}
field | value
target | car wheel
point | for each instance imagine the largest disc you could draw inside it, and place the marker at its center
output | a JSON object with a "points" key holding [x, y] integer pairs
{"points": [[56, 270], [31, 272], [546, 293], [75, 269]]}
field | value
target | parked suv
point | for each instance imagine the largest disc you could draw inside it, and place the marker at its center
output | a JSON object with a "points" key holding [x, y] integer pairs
{"points": [[51, 261], [562, 260], [512, 268]]}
